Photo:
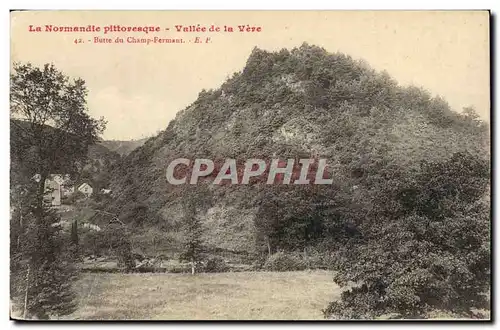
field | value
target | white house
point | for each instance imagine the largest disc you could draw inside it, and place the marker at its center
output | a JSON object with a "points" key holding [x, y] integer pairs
{"points": [[86, 189], [56, 186], [105, 191], [53, 192], [91, 226]]}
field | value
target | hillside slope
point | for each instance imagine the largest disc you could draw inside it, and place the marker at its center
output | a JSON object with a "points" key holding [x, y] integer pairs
{"points": [[94, 168], [123, 148], [290, 104]]}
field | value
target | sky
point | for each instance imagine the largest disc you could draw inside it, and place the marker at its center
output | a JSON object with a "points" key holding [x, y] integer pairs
{"points": [[139, 88]]}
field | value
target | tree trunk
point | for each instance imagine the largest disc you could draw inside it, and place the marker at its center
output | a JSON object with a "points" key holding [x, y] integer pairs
{"points": [[268, 246], [41, 190], [192, 266], [25, 312], [20, 224], [39, 199], [74, 237]]}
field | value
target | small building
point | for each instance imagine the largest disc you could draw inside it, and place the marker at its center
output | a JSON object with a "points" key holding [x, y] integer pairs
{"points": [[67, 190], [53, 192], [56, 186], [91, 226], [85, 189], [105, 191]]}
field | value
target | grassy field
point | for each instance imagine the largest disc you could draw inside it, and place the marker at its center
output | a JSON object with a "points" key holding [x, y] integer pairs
{"points": [[223, 296]]}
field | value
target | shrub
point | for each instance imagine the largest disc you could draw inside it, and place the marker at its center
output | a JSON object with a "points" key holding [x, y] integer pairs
{"points": [[216, 265], [314, 259], [73, 198], [430, 251], [283, 262], [179, 268], [258, 263]]}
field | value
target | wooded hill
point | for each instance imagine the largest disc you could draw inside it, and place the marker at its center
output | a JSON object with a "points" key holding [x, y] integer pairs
{"points": [[296, 103], [123, 148]]}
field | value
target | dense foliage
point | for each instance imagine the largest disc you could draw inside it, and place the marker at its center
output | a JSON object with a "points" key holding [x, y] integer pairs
{"points": [[426, 250], [52, 131], [193, 244], [283, 262], [215, 265], [42, 259]]}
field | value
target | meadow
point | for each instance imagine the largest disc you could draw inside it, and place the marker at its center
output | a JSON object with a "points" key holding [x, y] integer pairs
{"points": [[218, 296]]}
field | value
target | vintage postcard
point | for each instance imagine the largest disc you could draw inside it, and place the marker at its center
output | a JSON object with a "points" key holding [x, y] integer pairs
{"points": [[250, 165]]}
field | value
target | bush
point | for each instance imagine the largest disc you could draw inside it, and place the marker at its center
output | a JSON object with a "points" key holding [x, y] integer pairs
{"points": [[427, 251], [318, 260], [179, 269], [283, 262], [258, 264], [216, 265], [73, 198]]}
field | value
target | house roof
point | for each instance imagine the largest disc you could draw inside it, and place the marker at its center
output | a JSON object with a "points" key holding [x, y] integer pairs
{"points": [[60, 179], [83, 184]]}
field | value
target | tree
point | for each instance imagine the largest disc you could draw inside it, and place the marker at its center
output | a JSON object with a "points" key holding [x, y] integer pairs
{"points": [[295, 217], [74, 237], [53, 121], [117, 237], [54, 131], [193, 246], [427, 249], [41, 263], [53, 272]]}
